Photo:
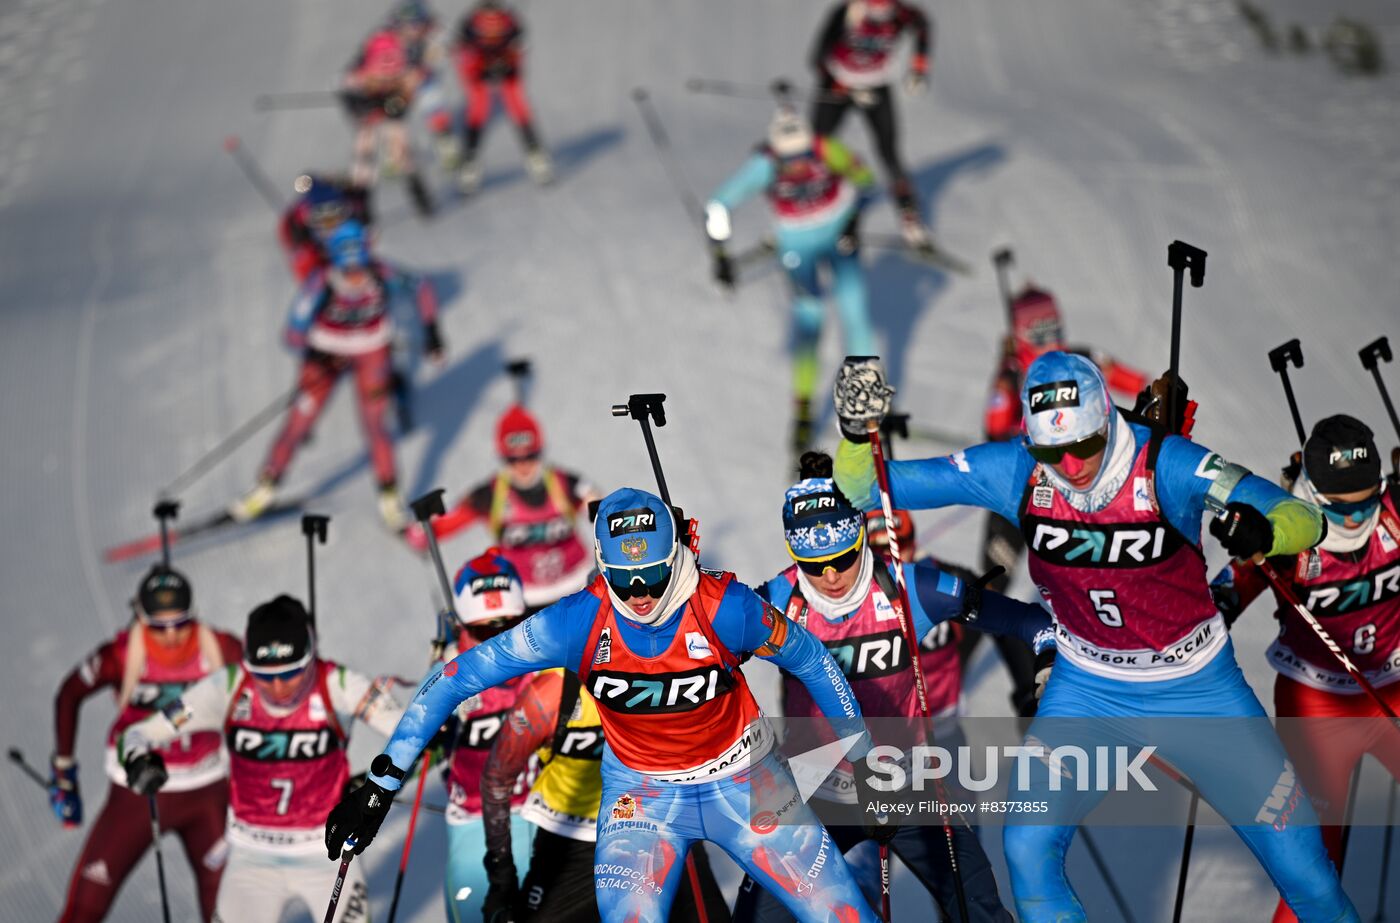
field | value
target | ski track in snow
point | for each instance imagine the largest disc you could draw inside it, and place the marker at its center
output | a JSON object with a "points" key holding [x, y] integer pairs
{"points": [[144, 291]]}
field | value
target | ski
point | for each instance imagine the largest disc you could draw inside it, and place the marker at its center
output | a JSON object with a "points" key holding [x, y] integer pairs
{"points": [[928, 253], [210, 524]]}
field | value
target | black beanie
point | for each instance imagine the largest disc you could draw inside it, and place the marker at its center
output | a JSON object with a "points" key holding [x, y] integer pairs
{"points": [[279, 634], [1340, 456], [164, 588]]}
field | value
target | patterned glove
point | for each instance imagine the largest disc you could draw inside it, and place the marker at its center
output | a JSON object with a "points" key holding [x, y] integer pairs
{"points": [[64, 797], [861, 395]]}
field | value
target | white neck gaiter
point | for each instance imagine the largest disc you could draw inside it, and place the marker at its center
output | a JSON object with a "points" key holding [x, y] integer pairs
{"points": [[1117, 465], [851, 601]]}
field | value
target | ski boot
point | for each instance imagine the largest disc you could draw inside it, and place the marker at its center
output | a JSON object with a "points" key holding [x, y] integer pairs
{"points": [[802, 428], [255, 502], [539, 166], [391, 509], [418, 191], [469, 175], [449, 151]]}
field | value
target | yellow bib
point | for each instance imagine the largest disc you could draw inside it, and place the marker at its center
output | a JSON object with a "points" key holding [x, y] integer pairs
{"points": [[564, 799]]}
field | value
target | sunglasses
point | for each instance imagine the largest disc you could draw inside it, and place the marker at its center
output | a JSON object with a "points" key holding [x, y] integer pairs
{"points": [[268, 676], [840, 563], [180, 621], [522, 459], [1082, 450], [648, 580], [1340, 512]]}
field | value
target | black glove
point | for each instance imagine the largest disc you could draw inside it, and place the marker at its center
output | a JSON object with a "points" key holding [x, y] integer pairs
{"points": [[849, 241], [876, 824], [724, 268], [433, 346], [1244, 531], [972, 596], [503, 890], [358, 816], [145, 774]]}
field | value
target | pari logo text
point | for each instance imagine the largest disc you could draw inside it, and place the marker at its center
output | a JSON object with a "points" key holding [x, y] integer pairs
{"points": [[629, 521], [1054, 395], [817, 503]]}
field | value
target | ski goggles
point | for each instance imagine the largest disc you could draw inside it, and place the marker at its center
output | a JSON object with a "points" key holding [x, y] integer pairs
{"points": [[839, 563], [1082, 450], [641, 579], [284, 671], [179, 621], [1354, 510]]}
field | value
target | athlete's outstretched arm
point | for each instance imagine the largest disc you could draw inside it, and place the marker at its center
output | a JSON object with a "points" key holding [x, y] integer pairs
{"points": [[991, 476], [938, 596], [543, 640], [747, 623], [202, 707], [1192, 480], [529, 727]]}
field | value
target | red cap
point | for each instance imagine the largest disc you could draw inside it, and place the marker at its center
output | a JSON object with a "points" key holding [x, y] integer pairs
{"points": [[518, 434]]}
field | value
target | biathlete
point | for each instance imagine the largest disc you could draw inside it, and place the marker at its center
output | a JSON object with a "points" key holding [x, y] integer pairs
{"points": [[656, 641], [1111, 511]]}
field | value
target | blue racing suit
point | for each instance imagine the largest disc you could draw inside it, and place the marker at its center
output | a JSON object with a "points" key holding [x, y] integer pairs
{"points": [[804, 245], [1189, 479], [646, 825]]}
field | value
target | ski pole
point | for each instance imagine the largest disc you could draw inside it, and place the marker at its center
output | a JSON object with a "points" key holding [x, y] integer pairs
{"points": [[313, 527], [519, 372], [662, 142], [885, 882], [408, 840], [1350, 813], [1385, 854], [165, 510], [1180, 257], [1102, 865], [1287, 596], [906, 628], [230, 442], [780, 90], [254, 173], [160, 858], [346, 854], [1280, 358], [1185, 857], [309, 99], [645, 408], [18, 759]]}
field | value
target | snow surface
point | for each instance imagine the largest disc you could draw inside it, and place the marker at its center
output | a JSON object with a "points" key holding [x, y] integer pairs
{"points": [[143, 293]]}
